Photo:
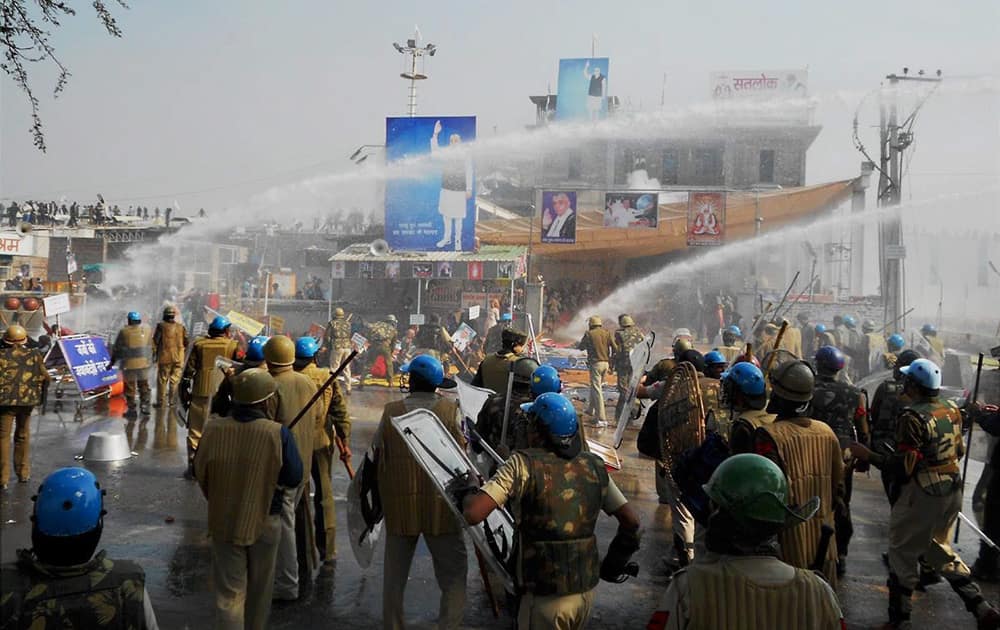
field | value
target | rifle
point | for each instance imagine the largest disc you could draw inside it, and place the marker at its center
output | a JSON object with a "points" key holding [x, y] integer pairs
{"points": [[319, 392], [968, 439]]}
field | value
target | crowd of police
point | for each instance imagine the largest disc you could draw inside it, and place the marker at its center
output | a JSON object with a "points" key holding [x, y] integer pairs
{"points": [[754, 452]]}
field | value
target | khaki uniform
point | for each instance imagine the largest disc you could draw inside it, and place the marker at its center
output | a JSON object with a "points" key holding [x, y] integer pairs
{"points": [[731, 353], [338, 338], [792, 341], [22, 378], [494, 371], [206, 379], [237, 468], [809, 454], [555, 503], [599, 346], [743, 428], [294, 391], [749, 593], [133, 346], [336, 423], [102, 593], [170, 341], [414, 508]]}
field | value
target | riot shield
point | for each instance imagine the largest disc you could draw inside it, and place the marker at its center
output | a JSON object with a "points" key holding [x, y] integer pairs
{"points": [[681, 414], [639, 358], [471, 400], [437, 452]]}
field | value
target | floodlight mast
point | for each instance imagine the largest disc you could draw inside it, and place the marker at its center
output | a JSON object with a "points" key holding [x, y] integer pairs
{"points": [[415, 52]]}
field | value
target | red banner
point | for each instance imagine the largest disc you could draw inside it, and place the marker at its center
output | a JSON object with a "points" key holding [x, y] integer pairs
{"points": [[706, 218], [475, 271]]}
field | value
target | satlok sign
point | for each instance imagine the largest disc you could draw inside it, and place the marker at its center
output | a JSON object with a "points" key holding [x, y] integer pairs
{"points": [[89, 361], [759, 84]]}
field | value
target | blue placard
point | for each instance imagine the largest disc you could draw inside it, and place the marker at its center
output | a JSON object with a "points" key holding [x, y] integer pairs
{"points": [[430, 203], [89, 361]]}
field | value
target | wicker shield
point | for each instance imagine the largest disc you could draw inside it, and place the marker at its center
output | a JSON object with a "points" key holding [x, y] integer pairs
{"points": [[681, 419]]}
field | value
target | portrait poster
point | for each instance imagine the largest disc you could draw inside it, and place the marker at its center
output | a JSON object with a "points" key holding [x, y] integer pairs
{"points": [[706, 218], [558, 216]]}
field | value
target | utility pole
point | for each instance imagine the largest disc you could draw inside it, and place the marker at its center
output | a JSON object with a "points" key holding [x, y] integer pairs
{"points": [[894, 138], [411, 73]]}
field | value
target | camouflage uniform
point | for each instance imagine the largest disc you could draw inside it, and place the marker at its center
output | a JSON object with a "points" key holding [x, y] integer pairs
{"points": [[382, 336], [489, 425], [886, 405], [338, 339], [555, 503], [22, 380], [929, 435], [841, 406], [493, 341], [434, 340], [626, 338], [102, 593]]}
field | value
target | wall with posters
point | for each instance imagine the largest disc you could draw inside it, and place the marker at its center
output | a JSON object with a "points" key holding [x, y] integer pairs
{"points": [[583, 89], [432, 208]]}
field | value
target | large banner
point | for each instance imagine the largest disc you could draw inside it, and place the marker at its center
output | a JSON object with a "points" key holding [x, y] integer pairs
{"points": [[435, 208], [558, 216], [759, 84], [583, 89], [631, 209], [706, 218]]}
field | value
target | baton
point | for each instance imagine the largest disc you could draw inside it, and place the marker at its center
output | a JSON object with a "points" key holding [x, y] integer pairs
{"points": [[976, 531], [968, 440], [326, 386], [341, 446], [486, 446], [506, 408]]}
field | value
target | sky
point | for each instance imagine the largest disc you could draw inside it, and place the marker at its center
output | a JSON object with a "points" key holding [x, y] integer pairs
{"points": [[211, 103]]}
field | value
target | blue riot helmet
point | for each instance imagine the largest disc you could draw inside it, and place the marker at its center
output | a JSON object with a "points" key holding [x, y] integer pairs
{"points": [[735, 331], [68, 517], [745, 378], [928, 330], [850, 321], [426, 370], [895, 342], [306, 348], [545, 380], [255, 349], [829, 360], [924, 373], [820, 328], [134, 317], [218, 326], [555, 415]]}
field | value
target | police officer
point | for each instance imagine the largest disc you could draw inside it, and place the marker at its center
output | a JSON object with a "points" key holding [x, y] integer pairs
{"points": [[743, 393], [930, 335], [294, 391], [873, 347], [886, 404], [808, 333], [766, 344], [59, 582], [894, 345], [544, 380], [133, 347], [202, 378], [382, 336], [985, 568], [792, 339], [335, 434], [600, 347], [489, 425], [412, 505], [843, 408], [555, 492], [222, 400], [170, 341], [731, 347], [494, 370], [929, 440], [809, 454], [494, 341], [338, 340], [627, 336], [23, 380], [244, 466], [433, 339], [740, 583], [824, 337]]}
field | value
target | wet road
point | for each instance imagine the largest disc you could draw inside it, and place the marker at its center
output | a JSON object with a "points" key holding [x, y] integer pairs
{"points": [[157, 518]]}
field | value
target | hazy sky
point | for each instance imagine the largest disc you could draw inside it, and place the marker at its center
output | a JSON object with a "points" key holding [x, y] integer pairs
{"points": [[212, 102]]}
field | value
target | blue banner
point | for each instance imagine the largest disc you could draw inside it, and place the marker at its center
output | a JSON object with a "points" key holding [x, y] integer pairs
{"points": [[89, 361], [434, 210], [583, 89]]}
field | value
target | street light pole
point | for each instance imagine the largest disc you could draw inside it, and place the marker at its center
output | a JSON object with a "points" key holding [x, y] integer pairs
{"points": [[415, 51]]}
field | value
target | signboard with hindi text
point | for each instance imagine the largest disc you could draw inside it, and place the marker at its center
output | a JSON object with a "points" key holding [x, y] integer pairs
{"points": [[16, 244], [759, 84], [245, 323], [56, 304], [89, 361]]}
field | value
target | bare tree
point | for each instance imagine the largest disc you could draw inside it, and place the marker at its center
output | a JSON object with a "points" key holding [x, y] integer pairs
{"points": [[24, 29]]}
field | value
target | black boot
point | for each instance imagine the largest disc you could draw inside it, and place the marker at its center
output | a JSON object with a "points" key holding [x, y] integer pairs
{"points": [[985, 567], [899, 603], [928, 576]]}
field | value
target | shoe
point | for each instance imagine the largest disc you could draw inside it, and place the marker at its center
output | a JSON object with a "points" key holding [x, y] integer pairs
{"points": [[442, 243], [131, 414], [927, 578], [158, 404], [189, 472], [841, 566]]}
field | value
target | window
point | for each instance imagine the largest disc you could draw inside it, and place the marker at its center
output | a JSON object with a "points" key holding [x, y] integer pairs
{"points": [[708, 167], [575, 170], [668, 175], [766, 175]]}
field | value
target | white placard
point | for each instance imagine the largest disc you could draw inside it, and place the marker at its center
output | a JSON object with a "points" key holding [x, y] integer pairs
{"points": [[417, 319], [56, 304], [474, 312]]}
